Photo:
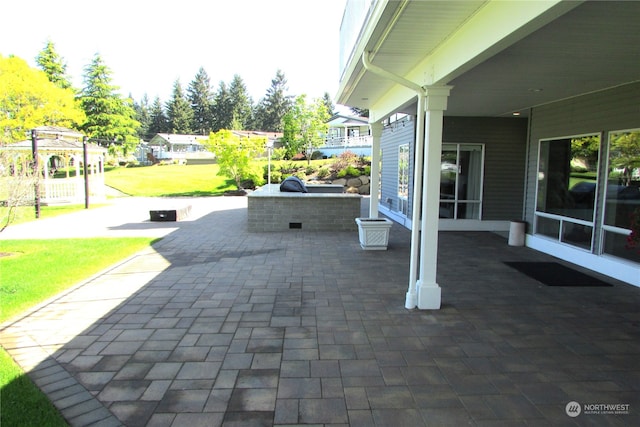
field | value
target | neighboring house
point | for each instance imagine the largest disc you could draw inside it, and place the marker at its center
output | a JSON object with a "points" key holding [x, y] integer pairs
{"points": [[164, 146], [273, 138], [514, 110], [347, 133], [61, 148]]}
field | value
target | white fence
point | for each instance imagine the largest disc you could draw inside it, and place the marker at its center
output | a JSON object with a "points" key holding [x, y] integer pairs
{"points": [[71, 190]]}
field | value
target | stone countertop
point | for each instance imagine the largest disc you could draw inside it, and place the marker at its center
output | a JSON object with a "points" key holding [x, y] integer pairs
{"points": [[273, 190]]}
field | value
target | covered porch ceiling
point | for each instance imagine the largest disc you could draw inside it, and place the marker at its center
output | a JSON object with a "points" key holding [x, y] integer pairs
{"points": [[572, 48]]}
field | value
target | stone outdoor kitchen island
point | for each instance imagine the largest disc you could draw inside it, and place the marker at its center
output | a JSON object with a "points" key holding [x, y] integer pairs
{"points": [[269, 209]]}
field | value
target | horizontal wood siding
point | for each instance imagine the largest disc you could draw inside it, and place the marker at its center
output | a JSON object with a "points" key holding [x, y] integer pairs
{"points": [[504, 167], [600, 112], [392, 137]]}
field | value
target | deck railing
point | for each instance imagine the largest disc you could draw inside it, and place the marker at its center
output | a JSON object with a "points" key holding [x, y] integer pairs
{"points": [[350, 141]]}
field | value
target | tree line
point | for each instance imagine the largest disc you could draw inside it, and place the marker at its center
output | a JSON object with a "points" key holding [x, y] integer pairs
{"points": [[108, 118]]}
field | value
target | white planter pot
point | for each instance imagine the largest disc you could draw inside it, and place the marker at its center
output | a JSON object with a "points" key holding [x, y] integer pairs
{"points": [[374, 233]]}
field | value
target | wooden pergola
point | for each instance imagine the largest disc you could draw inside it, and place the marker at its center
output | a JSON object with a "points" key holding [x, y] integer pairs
{"points": [[61, 148]]}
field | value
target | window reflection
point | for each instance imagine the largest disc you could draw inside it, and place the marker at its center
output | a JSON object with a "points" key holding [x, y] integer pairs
{"points": [[622, 200], [403, 178], [567, 177], [461, 181]]}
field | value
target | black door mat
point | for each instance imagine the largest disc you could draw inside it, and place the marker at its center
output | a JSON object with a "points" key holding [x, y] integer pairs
{"points": [[554, 274]]}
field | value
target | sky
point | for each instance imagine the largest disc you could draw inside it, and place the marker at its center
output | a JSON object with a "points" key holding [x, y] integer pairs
{"points": [[148, 45]]}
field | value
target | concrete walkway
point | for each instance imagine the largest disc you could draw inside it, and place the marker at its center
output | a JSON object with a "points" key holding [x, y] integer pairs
{"points": [[215, 326]]}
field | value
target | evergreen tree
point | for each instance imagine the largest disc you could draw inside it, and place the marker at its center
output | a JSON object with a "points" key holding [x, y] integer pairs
{"points": [[328, 103], [158, 119], [179, 113], [360, 111], [241, 103], [222, 109], [275, 104], [201, 100], [143, 115], [53, 66], [110, 118]]}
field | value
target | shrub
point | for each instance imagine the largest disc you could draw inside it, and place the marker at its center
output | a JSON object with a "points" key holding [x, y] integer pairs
{"points": [[276, 177], [349, 171], [367, 170], [253, 177], [345, 159], [301, 175], [288, 168], [278, 153], [310, 169], [323, 172], [316, 155], [352, 171]]}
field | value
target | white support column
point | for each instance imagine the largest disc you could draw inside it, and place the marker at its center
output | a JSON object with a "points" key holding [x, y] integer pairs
{"points": [[429, 293], [374, 183], [411, 298]]}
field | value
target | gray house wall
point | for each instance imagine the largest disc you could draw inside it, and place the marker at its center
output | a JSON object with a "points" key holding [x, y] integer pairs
{"points": [[600, 112], [504, 168], [504, 171], [392, 137]]}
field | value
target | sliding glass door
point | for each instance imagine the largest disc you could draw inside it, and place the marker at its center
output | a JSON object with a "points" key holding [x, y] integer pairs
{"points": [[461, 175]]}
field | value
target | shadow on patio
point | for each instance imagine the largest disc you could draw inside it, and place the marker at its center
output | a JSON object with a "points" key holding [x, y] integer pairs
{"points": [[218, 326]]}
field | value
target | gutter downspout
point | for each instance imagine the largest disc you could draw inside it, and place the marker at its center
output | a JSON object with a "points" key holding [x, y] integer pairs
{"points": [[411, 300]]}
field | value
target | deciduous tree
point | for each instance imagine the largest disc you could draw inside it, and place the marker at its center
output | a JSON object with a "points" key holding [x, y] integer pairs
{"points": [[305, 126], [235, 155], [28, 100]]}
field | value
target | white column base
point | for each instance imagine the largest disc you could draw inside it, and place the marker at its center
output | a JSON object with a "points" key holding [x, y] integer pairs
{"points": [[411, 300], [429, 296]]}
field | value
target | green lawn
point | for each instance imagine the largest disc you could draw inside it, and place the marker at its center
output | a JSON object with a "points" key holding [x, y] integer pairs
{"points": [[169, 180], [33, 271], [22, 402], [38, 269]]}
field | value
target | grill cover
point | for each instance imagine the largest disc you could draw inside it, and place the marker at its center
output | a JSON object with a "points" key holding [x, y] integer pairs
{"points": [[293, 184]]}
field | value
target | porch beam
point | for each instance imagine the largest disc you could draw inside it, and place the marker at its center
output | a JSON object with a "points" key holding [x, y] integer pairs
{"points": [[496, 26]]}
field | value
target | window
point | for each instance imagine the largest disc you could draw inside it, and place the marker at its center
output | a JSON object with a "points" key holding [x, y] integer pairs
{"points": [[461, 174], [567, 189], [622, 197], [403, 178]]}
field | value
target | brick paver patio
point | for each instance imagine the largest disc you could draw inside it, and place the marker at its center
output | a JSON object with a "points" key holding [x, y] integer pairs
{"points": [[215, 326]]}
